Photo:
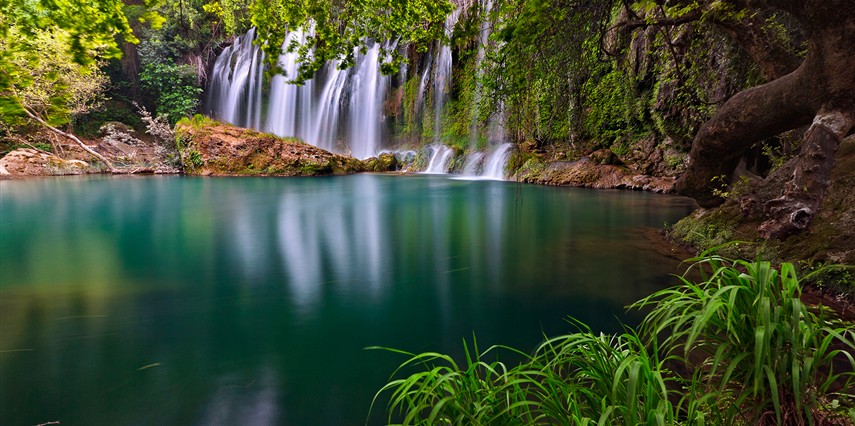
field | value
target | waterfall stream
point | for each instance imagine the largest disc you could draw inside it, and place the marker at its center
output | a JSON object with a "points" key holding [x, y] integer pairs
{"points": [[338, 110], [343, 110]]}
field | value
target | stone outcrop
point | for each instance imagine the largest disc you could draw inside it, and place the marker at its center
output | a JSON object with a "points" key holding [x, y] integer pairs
{"points": [[590, 173], [211, 148], [30, 162]]}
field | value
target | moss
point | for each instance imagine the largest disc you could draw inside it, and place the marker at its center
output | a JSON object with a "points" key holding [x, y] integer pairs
{"points": [[836, 279], [704, 229], [311, 169]]}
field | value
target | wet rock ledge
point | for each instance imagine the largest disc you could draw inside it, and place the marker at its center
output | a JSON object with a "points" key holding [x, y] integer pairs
{"points": [[211, 148]]}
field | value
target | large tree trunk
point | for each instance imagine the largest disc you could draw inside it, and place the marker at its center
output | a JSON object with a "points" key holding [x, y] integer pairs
{"points": [[821, 91]]}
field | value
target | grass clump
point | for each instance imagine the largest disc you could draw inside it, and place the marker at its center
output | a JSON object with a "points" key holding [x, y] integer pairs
{"points": [[749, 350]]}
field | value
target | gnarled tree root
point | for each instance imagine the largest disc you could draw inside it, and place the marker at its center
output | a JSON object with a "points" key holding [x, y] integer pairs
{"points": [[802, 197]]}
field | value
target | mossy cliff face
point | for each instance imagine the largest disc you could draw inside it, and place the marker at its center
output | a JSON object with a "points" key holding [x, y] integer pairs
{"points": [[209, 147]]}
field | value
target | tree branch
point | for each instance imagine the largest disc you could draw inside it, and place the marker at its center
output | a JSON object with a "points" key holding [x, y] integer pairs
{"points": [[72, 137], [645, 23]]}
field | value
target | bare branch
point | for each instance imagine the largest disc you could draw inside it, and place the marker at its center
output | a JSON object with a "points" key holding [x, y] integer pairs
{"points": [[72, 137]]}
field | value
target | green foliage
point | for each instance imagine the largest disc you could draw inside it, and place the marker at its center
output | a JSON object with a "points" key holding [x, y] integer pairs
{"points": [[339, 29], [546, 51], [46, 79], [81, 32], [174, 87], [193, 159], [762, 353], [704, 232]]}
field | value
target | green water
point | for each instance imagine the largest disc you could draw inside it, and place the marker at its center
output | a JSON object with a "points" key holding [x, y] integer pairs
{"points": [[176, 300]]}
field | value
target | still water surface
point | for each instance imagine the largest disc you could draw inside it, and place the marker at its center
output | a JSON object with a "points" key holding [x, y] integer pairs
{"points": [[177, 300]]}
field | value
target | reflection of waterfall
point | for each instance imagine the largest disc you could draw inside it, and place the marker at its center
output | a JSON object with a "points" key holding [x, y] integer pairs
{"points": [[231, 404], [336, 105]]}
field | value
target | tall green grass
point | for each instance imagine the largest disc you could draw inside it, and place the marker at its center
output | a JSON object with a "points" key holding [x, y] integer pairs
{"points": [[765, 356], [749, 350]]}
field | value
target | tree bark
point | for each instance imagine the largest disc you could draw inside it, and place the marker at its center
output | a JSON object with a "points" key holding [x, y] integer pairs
{"points": [[746, 118], [821, 90], [802, 196]]}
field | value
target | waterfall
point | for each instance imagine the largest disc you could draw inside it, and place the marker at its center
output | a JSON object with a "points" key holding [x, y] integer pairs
{"points": [[337, 105], [366, 105], [343, 110], [235, 87], [494, 167], [420, 97], [474, 164], [284, 97], [439, 159], [326, 125], [442, 74]]}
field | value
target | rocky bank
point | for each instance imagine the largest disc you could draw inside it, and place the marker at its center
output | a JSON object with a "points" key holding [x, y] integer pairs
{"points": [[211, 148]]}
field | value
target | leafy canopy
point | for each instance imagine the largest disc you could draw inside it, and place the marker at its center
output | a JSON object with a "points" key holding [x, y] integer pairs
{"points": [[38, 36], [337, 29]]}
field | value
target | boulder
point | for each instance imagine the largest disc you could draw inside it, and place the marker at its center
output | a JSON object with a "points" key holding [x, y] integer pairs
{"points": [[209, 147], [30, 162]]}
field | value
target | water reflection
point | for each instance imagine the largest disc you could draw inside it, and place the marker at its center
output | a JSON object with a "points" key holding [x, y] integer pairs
{"points": [[217, 301]]}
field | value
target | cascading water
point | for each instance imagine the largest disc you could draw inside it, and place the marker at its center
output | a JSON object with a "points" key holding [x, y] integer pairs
{"points": [[442, 74], [439, 160], [342, 110], [481, 166], [235, 88], [474, 164], [348, 105], [494, 167], [366, 103], [287, 100], [420, 97]]}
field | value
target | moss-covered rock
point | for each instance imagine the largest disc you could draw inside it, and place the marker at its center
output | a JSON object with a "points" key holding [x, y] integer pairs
{"points": [[588, 173], [385, 162], [209, 147]]}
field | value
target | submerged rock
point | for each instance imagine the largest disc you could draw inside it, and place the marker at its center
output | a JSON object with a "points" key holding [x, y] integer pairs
{"points": [[209, 147]]}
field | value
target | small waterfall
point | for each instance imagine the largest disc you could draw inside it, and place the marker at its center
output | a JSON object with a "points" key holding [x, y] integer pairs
{"points": [[420, 97], [494, 168], [474, 164], [442, 74], [439, 160]]}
